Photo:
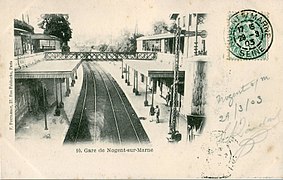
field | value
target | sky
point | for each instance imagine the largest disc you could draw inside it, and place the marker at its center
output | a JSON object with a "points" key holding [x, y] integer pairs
{"points": [[102, 19]]}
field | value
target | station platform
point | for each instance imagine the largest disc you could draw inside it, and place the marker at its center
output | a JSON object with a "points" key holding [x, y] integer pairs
{"points": [[32, 127], [157, 132]]}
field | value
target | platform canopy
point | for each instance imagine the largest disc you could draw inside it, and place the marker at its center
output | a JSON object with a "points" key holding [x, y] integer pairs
{"points": [[158, 36], [49, 69], [153, 68], [44, 37]]}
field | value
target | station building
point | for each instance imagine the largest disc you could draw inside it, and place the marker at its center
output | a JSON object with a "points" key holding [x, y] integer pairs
{"points": [[39, 84], [157, 75]]}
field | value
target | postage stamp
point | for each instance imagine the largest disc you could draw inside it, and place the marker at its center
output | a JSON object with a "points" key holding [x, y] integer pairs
{"points": [[250, 35]]}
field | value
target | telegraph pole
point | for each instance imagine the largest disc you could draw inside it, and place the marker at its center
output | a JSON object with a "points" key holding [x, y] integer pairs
{"points": [[175, 136]]}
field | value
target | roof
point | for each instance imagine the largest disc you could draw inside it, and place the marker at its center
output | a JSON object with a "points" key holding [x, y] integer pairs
{"points": [[49, 69], [156, 36], [23, 25], [153, 68], [44, 37]]}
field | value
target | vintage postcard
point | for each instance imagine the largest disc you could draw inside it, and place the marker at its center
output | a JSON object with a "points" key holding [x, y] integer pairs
{"points": [[129, 89]]}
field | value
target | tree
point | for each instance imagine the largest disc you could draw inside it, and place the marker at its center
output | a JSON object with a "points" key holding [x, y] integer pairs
{"points": [[103, 47], [160, 27], [132, 48], [57, 25], [125, 43], [128, 43]]}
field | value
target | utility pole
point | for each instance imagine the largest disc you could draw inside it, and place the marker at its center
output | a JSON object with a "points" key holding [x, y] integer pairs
{"points": [[175, 136]]}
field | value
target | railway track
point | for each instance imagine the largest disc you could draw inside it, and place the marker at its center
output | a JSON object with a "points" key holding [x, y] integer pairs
{"points": [[132, 130], [103, 112], [112, 119], [78, 130]]}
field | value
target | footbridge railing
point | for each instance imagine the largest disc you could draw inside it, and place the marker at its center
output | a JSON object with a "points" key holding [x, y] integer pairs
{"points": [[100, 56]]}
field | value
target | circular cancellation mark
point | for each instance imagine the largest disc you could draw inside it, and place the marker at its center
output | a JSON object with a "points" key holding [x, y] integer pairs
{"points": [[250, 34]]}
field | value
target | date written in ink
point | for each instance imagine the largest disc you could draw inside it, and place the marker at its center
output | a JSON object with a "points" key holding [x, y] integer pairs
{"points": [[243, 107]]}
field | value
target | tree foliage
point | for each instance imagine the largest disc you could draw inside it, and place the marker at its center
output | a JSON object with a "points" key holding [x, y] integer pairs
{"points": [[57, 25], [103, 47], [160, 27], [128, 43], [125, 43]]}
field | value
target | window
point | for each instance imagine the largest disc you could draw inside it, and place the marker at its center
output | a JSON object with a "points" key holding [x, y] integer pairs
{"points": [[152, 45]]}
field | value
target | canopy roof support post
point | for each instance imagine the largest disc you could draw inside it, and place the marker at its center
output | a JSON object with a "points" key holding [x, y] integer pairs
{"points": [[126, 76], [134, 86], [57, 110], [145, 101], [44, 106], [61, 104], [137, 83], [68, 90], [122, 67], [128, 83]]}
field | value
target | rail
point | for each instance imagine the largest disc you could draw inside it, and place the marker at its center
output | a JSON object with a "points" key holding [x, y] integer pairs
{"points": [[99, 56]]}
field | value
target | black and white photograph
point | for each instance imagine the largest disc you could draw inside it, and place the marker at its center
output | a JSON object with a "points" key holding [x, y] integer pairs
{"points": [[147, 89]]}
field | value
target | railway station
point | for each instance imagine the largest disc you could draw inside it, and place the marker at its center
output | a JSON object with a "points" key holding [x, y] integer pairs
{"points": [[142, 89], [172, 64]]}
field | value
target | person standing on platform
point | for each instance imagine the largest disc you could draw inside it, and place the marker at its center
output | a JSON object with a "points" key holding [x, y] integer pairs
{"points": [[151, 113], [167, 98], [157, 113]]}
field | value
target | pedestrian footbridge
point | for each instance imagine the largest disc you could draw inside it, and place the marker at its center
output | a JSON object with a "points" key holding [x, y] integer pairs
{"points": [[99, 56]]}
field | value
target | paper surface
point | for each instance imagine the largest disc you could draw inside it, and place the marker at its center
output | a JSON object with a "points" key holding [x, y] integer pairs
{"points": [[243, 135]]}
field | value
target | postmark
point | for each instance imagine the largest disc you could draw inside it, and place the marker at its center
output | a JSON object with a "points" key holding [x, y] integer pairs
{"points": [[250, 35]]}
